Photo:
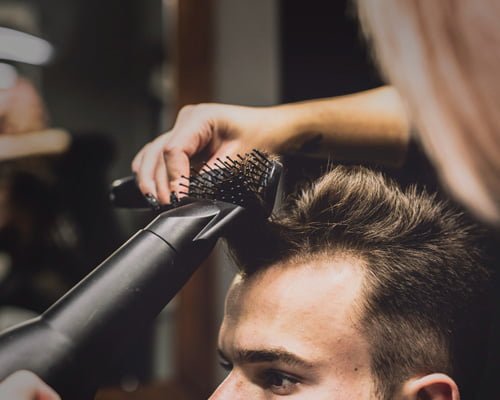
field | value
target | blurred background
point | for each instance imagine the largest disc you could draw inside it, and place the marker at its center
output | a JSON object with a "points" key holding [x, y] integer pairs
{"points": [[109, 76]]}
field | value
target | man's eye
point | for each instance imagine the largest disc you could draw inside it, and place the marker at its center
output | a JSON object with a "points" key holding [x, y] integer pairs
{"points": [[280, 383]]}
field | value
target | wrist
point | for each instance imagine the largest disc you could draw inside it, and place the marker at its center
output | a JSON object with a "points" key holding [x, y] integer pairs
{"points": [[297, 125], [287, 127]]}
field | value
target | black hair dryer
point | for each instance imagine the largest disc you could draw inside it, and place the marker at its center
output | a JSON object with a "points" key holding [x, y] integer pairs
{"points": [[74, 341]]}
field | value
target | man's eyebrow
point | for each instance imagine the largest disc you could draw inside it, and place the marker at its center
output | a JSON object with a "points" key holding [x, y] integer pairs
{"points": [[244, 356]]}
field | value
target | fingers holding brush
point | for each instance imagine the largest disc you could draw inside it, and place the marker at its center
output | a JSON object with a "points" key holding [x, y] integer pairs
{"points": [[145, 166], [204, 132], [161, 163], [177, 166], [161, 181]]}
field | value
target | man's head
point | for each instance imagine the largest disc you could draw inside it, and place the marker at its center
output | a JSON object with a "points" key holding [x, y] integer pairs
{"points": [[357, 290]]}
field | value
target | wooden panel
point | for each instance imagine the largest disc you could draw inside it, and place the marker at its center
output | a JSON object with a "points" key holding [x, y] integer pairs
{"points": [[193, 55], [195, 330], [196, 334]]}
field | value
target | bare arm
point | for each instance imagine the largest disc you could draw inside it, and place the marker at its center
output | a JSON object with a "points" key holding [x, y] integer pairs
{"points": [[365, 126], [45, 142], [370, 126]]}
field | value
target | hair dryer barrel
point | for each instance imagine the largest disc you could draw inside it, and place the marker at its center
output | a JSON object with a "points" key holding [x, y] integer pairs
{"points": [[71, 344]]}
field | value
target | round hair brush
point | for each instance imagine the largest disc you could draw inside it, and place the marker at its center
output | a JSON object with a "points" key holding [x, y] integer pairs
{"points": [[73, 342]]}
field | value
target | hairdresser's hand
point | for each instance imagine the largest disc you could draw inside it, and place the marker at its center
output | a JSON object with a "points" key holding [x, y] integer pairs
{"points": [[207, 131], [24, 385], [370, 126]]}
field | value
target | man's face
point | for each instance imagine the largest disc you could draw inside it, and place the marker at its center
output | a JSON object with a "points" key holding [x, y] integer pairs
{"points": [[291, 331]]}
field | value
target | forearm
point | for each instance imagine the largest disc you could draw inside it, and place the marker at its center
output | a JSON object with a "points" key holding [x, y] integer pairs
{"points": [[48, 141], [367, 126]]}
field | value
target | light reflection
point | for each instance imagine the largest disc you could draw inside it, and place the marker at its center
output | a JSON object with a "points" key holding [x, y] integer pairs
{"points": [[23, 47], [8, 76]]}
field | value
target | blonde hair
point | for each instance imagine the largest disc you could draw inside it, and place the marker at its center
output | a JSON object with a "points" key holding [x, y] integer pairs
{"points": [[444, 59]]}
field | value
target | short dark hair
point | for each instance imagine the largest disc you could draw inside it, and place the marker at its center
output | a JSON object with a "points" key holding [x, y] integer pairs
{"points": [[425, 276]]}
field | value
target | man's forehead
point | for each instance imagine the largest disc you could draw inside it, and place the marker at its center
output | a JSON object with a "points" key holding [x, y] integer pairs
{"points": [[297, 285], [298, 303], [308, 309]]}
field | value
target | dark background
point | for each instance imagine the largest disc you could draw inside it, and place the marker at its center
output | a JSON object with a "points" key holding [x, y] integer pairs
{"points": [[103, 82], [322, 51]]}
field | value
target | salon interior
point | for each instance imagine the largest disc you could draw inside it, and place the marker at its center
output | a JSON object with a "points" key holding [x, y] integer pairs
{"points": [[101, 79]]}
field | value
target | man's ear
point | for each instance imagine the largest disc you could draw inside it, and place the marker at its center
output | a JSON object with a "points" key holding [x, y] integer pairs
{"points": [[430, 387]]}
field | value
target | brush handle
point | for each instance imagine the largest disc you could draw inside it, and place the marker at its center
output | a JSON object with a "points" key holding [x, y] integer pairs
{"points": [[75, 340], [125, 193]]}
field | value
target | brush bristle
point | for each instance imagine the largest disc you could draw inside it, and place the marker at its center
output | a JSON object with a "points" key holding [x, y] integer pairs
{"points": [[245, 180]]}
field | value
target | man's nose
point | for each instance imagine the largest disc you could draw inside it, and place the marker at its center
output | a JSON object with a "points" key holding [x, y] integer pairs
{"points": [[235, 387]]}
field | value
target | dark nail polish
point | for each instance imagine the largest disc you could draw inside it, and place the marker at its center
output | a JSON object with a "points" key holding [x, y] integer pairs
{"points": [[174, 199], [153, 201]]}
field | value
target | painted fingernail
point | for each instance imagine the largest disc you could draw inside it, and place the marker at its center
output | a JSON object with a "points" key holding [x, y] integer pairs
{"points": [[153, 201], [173, 198]]}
